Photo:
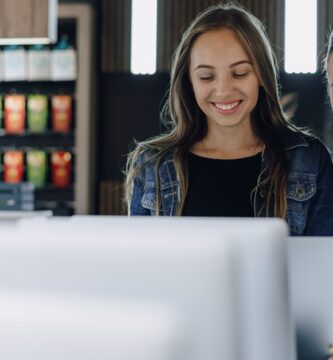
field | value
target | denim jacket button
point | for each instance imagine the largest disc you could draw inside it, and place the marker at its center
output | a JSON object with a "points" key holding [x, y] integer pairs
{"points": [[300, 190]]}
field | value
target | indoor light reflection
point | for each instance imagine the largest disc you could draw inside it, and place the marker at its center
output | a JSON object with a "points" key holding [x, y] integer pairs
{"points": [[143, 36], [301, 36]]}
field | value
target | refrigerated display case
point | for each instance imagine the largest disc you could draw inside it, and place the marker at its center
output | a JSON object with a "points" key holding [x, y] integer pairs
{"points": [[76, 143]]}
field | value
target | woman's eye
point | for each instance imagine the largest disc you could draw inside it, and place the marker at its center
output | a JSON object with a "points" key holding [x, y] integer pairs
{"points": [[240, 75], [206, 78]]}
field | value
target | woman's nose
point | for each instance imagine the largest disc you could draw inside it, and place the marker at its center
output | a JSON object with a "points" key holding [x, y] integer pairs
{"points": [[224, 84]]}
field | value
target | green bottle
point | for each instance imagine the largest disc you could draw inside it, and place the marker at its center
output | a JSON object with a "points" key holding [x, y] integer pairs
{"points": [[37, 113], [36, 167]]}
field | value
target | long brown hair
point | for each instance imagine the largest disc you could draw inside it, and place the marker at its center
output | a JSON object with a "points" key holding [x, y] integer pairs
{"points": [[329, 51], [187, 123]]}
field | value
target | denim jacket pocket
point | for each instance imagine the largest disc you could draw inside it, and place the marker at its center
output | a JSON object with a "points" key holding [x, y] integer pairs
{"points": [[148, 200], [168, 198], [301, 188]]}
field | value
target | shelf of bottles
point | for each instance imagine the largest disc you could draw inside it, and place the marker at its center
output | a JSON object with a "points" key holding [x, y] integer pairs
{"points": [[37, 120]]}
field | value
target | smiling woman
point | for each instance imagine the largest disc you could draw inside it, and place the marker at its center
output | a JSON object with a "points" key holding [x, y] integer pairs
{"points": [[230, 149]]}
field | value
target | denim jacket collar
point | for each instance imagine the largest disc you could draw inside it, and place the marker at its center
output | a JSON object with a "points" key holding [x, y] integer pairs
{"points": [[292, 140]]}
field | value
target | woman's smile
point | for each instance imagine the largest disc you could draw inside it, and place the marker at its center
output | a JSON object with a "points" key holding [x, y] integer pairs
{"points": [[227, 108]]}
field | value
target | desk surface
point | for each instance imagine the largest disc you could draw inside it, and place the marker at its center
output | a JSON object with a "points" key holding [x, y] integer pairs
{"points": [[15, 215]]}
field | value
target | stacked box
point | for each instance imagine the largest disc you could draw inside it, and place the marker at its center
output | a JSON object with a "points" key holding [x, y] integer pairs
{"points": [[16, 197]]}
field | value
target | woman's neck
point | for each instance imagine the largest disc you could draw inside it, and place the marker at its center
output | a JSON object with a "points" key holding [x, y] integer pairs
{"points": [[228, 144]]}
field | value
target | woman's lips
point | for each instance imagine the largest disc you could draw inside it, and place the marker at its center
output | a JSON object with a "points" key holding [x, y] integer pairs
{"points": [[227, 107]]}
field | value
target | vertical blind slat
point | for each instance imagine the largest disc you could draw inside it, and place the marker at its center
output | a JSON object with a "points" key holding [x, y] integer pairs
{"points": [[116, 35]]}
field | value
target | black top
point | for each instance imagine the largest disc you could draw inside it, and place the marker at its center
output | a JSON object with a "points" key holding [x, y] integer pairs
{"points": [[221, 187]]}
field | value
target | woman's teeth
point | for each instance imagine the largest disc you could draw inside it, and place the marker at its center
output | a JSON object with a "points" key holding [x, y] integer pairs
{"points": [[227, 106]]}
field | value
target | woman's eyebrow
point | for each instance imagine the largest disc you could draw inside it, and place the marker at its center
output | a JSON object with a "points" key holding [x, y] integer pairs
{"points": [[240, 63], [203, 66]]}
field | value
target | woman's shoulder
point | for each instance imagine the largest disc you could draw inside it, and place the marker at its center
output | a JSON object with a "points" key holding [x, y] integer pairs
{"points": [[294, 139], [307, 149], [317, 144], [146, 155]]}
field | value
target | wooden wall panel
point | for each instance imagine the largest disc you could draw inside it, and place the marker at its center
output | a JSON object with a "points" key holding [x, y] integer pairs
{"points": [[111, 198], [116, 35], [24, 18], [175, 15]]}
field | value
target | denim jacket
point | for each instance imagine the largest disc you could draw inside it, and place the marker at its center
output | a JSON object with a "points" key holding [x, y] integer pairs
{"points": [[309, 194]]}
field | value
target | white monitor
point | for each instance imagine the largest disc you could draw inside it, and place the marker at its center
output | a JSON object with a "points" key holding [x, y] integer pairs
{"points": [[311, 281], [145, 288]]}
